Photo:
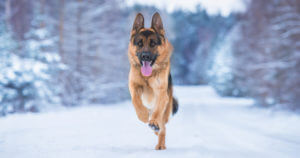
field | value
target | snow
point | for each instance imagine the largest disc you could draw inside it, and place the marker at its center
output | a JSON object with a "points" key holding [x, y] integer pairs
{"points": [[205, 126]]}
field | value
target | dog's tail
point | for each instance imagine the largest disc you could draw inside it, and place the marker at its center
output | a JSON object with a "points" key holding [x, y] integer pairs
{"points": [[175, 102], [175, 106]]}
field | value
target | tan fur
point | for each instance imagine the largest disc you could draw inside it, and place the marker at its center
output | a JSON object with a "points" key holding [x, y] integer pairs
{"points": [[153, 89]]}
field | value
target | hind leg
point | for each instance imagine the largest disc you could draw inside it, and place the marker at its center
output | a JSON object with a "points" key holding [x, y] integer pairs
{"points": [[167, 112], [161, 145], [162, 132]]}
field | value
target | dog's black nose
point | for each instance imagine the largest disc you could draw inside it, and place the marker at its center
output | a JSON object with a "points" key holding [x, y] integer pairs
{"points": [[146, 56]]}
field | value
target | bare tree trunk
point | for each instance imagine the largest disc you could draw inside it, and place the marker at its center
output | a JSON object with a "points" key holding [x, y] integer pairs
{"points": [[79, 48], [79, 32], [42, 12], [7, 11], [61, 29]]}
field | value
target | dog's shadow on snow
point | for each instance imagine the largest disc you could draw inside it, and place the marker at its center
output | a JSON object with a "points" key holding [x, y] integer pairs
{"points": [[144, 149]]}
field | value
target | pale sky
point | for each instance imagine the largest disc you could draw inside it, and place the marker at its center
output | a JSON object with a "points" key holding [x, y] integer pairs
{"points": [[224, 7]]}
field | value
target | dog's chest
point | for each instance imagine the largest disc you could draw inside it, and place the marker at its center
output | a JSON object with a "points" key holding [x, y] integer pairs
{"points": [[148, 100]]}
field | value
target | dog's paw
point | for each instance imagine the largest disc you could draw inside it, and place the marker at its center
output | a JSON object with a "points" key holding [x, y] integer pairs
{"points": [[160, 147], [154, 125]]}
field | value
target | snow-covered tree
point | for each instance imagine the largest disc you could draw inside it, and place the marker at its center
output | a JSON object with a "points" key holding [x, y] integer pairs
{"points": [[267, 53], [26, 76], [221, 75], [95, 43], [196, 34], [21, 79]]}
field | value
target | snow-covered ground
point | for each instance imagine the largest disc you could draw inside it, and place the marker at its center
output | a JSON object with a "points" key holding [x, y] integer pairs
{"points": [[206, 126]]}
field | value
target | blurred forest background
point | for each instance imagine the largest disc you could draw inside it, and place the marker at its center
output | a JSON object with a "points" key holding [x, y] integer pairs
{"points": [[74, 52]]}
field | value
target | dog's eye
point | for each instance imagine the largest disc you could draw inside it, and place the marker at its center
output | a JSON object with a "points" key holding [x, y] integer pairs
{"points": [[152, 43], [140, 43]]}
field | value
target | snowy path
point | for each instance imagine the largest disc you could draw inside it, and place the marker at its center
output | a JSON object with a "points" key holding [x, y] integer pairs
{"points": [[206, 126]]}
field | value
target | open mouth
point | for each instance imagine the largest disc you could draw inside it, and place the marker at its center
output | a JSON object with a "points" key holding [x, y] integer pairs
{"points": [[147, 60], [146, 68]]}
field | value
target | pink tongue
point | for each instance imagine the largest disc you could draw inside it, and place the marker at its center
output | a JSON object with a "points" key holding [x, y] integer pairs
{"points": [[146, 69]]}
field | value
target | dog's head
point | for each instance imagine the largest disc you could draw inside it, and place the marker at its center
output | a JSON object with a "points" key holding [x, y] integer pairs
{"points": [[148, 46]]}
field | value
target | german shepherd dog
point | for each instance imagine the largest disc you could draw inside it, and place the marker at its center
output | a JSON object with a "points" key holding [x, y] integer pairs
{"points": [[150, 81]]}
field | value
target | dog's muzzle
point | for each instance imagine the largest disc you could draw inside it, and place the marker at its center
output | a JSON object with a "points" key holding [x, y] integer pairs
{"points": [[147, 56]]}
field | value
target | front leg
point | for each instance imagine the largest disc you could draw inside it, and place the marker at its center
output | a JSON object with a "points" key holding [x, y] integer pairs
{"points": [[159, 85], [156, 120], [141, 111]]}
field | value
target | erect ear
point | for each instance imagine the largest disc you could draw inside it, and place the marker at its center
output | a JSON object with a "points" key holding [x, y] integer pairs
{"points": [[138, 22], [157, 24]]}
